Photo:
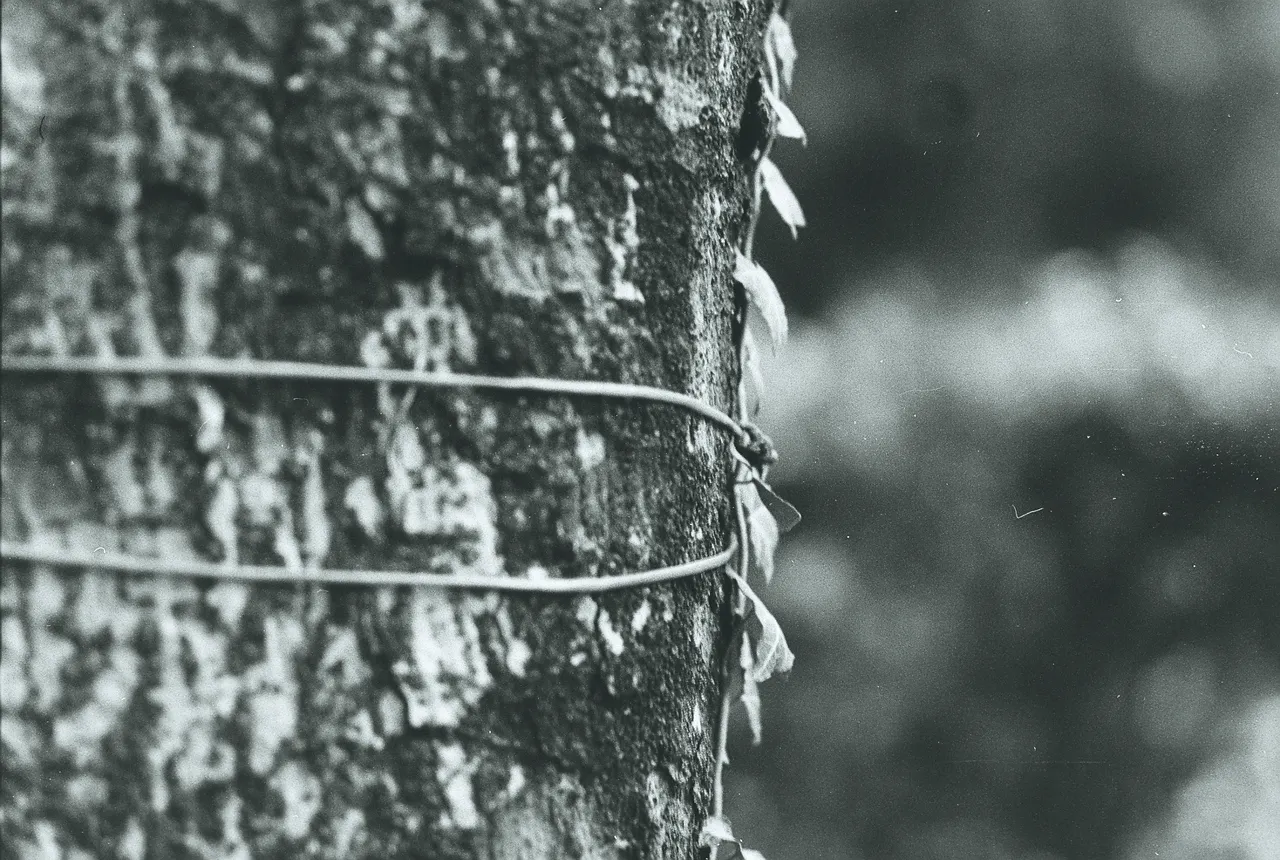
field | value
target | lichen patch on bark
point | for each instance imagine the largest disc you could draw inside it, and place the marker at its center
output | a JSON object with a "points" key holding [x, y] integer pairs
{"points": [[548, 822], [454, 771]]}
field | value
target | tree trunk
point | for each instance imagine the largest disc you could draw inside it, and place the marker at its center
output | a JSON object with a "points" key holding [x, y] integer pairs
{"points": [[540, 188]]}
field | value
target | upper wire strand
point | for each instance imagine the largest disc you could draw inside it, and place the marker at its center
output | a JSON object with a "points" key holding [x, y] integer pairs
{"points": [[261, 369]]}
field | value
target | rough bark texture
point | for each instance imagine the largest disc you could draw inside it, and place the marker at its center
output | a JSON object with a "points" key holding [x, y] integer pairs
{"points": [[548, 188]]}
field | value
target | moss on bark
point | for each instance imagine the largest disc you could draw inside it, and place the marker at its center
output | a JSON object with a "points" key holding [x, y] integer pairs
{"points": [[545, 188]]}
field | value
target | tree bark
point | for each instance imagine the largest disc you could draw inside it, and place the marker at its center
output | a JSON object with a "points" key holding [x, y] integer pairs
{"points": [[541, 188]]}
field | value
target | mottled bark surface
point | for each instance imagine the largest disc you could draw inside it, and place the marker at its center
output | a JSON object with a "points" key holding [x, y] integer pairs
{"points": [[546, 188]]}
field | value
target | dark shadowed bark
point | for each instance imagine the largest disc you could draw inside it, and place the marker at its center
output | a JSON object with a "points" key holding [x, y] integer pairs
{"points": [[539, 188]]}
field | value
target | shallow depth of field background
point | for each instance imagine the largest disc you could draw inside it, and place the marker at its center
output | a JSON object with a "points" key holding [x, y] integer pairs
{"points": [[1031, 410]]}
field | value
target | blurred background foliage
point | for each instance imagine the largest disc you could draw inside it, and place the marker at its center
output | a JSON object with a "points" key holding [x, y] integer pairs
{"points": [[1031, 411]]}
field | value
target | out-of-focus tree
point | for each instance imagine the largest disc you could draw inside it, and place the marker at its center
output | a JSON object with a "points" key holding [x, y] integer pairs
{"points": [[533, 189]]}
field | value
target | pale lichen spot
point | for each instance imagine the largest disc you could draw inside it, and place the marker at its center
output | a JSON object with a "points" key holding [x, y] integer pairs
{"points": [[317, 531], [174, 542], [299, 791], [360, 731], [607, 72], [681, 101], [612, 638], [511, 151], [46, 597], [86, 792], [703, 632], [624, 290], [427, 331], [262, 496], [228, 600], [198, 267], [563, 136], [641, 616], [342, 659], [232, 845], [96, 604], [622, 242], [361, 499], [669, 810], [272, 692], [220, 516], [560, 215], [114, 687], [521, 267], [447, 670], [22, 740], [81, 732], [522, 830], [268, 444], [202, 759], [515, 781], [454, 771], [133, 843], [590, 449], [391, 716], [587, 610], [49, 654], [703, 438], [348, 830], [655, 794], [444, 43], [45, 845], [452, 500], [14, 687], [518, 654]]}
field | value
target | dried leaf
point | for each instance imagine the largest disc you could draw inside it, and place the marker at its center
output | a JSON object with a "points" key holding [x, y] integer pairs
{"points": [[750, 691], [781, 196], [779, 44], [772, 655], [762, 530], [715, 830], [363, 231], [788, 125], [783, 511], [763, 293]]}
